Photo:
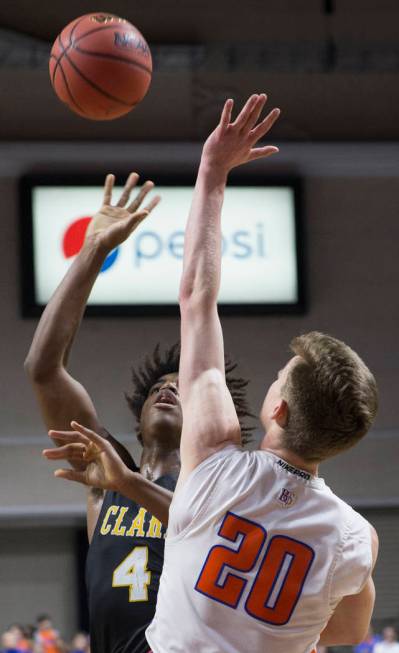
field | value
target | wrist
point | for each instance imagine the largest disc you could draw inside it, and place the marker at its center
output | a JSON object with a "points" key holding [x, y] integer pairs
{"points": [[95, 247], [212, 170], [127, 482]]}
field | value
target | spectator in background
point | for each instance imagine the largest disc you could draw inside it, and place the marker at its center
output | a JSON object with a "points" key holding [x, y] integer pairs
{"points": [[8, 642], [367, 646], [80, 643], [389, 643], [47, 639], [15, 639]]}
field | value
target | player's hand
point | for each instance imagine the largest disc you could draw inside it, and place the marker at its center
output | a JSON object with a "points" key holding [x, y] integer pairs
{"points": [[104, 468], [233, 143], [112, 225]]}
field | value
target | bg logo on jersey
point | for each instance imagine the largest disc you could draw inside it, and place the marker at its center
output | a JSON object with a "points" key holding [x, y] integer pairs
{"points": [[73, 239]]}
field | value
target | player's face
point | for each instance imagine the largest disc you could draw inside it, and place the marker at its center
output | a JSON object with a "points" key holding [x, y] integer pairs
{"points": [[161, 417], [273, 397], [389, 634]]}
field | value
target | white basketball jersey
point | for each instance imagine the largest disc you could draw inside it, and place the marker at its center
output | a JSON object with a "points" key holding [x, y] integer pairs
{"points": [[257, 556]]}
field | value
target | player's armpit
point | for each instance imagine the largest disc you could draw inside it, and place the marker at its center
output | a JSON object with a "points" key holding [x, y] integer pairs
{"points": [[95, 498]]}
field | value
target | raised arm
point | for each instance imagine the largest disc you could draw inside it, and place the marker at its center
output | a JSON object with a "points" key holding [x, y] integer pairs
{"points": [[60, 396], [210, 421]]}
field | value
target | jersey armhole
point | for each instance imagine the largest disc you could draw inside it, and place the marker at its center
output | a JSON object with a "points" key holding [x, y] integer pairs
{"points": [[178, 501]]}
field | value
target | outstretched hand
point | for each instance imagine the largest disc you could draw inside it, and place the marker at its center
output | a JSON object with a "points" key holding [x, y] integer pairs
{"points": [[104, 467], [233, 143], [112, 225]]}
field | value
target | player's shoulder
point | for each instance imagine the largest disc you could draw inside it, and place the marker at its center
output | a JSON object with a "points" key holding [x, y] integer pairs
{"points": [[355, 523]]}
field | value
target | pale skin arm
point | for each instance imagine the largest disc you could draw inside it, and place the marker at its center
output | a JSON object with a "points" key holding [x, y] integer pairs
{"points": [[105, 469], [60, 396], [351, 618], [210, 421]]}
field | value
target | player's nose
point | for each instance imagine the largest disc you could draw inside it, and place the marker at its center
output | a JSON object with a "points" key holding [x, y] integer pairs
{"points": [[170, 385]]}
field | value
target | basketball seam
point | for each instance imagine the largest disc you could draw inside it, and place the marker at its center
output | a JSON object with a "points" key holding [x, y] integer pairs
{"points": [[62, 46], [82, 36], [69, 91], [113, 56], [94, 85]]}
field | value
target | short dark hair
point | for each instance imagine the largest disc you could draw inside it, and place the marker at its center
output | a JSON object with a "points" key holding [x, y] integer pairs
{"points": [[331, 395], [159, 364], [43, 617]]}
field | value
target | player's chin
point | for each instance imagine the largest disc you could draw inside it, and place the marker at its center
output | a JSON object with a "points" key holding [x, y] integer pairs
{"points": [[166, 412]]}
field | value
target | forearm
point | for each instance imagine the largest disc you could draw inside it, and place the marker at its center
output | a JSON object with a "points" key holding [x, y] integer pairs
{"points": [[62, 316], [151, 496], [203, 238]]}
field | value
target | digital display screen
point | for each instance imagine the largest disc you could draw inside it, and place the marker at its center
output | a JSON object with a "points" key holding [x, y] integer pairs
{"points": [[260, 262]]}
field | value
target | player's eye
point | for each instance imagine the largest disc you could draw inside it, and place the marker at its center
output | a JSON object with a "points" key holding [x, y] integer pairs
{"points": [[155, 388]]}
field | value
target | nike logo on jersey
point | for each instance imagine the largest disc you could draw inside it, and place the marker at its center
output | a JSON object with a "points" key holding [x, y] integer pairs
{"points": [[294, 470]]}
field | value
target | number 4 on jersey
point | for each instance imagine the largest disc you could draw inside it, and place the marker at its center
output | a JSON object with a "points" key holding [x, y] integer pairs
{"points": [[278, 584], [132, 573]]}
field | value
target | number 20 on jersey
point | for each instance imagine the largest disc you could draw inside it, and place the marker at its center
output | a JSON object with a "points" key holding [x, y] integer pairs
{"points": [[277, 586]]}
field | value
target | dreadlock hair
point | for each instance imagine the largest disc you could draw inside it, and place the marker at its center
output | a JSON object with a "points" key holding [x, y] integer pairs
{"points": [[158, 364]]}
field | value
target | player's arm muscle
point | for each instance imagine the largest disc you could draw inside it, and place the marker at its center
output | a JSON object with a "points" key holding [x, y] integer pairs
{"points": [[210, 420], [351, 618], [61, 398]]}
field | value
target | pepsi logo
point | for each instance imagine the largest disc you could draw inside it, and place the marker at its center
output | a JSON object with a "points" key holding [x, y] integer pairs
{"points": [[74, 237]]}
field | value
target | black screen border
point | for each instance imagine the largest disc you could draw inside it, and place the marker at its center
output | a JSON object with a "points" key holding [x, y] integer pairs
{"points": [[31, 308]]}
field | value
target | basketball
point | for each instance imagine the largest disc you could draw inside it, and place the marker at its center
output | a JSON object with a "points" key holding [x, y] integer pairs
{"points": [[100, 66]]}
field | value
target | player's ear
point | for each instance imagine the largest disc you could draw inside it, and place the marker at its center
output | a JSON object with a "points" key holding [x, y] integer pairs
{"points": [[280, 413]]}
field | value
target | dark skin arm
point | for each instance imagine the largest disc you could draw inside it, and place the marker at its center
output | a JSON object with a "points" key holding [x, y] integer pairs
{"points": [[60, 396]]}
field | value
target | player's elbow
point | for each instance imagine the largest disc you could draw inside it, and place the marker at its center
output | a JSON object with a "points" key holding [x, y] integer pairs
{"points": [[351, 636], [197, 300], [357, 636], [37, 370]]}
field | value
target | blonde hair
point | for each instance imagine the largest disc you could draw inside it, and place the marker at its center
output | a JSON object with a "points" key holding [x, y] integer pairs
{"points": [[331, 395]]}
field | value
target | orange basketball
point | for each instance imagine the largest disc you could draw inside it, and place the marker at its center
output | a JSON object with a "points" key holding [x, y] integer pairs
{"points": [[100, 66]]}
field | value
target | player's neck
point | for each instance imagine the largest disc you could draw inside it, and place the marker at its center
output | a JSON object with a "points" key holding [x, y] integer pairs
{"points": [[272, 442], [157, 461]]}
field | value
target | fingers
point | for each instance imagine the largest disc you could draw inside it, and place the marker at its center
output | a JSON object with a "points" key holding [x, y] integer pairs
{"points": [[68, 451], [135, 219], [130, 184], [151, 205], [226, 113], [261, 152], [138, 217], [264, 126], [255, 113], [246, 112], [71, 475], [68, 436], [90, 435], [108, 187], [134, 205]]}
